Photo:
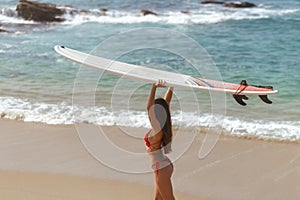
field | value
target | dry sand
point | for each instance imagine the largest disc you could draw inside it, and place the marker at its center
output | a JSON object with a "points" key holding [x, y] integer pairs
{"points": [[39, 161], [43, 186]]}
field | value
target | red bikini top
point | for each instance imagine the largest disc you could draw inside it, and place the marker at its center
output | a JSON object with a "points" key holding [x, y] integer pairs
{"points": [[147, 139]]}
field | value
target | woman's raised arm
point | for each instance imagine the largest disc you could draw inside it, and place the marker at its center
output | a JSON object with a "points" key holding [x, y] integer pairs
{"points": [[160, 83], [151, 96], [150, 107], [169, 94]]}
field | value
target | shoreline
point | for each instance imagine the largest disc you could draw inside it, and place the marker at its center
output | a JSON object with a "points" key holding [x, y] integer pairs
{"points": [[235, 168]]}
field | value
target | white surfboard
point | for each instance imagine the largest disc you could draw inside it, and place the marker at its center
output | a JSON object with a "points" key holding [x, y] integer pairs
{"points": [[150, 75]]}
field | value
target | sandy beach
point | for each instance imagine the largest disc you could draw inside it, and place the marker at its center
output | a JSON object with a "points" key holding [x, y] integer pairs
{"points": [[40, 161], [28, 185], [44, 155], [35, 186]]}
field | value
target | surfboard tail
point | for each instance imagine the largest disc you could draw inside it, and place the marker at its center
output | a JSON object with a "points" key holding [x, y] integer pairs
{"points": [[243, 85]]}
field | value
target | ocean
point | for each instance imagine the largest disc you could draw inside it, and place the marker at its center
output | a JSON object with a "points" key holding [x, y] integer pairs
{"points": [[260, 45]]}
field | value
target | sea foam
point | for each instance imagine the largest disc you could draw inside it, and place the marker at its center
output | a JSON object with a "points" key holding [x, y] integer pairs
{"points": [[200, 16], [203, 15], [24, 110]]}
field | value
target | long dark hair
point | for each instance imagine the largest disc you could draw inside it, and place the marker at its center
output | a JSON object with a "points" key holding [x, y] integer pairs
{"points": [[163, 116]]}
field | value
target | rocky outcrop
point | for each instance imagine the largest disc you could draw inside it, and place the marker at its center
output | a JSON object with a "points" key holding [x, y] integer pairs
{"points": [[47, 12], [239, 5], [40, 12], [185, 12], [104, 10], [212, 2], [2, 30], [5, 31], [148, 12], [231, 4]]}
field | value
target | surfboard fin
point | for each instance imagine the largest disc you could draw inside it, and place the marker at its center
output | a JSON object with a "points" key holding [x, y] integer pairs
{"points": [[240, 98], [265, 99]]}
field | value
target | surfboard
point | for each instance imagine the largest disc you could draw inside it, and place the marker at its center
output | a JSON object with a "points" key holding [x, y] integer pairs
{"points": [[172, 79]]}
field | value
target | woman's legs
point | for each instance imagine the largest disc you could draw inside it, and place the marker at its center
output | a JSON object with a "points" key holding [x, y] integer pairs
{"points": [[157, 195], [163, 184]]}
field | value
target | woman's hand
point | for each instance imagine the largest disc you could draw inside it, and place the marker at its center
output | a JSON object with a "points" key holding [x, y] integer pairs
{"points": [[160, 83]]}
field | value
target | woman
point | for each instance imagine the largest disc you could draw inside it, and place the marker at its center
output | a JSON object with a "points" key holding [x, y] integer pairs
{"points": [[158, 141]]}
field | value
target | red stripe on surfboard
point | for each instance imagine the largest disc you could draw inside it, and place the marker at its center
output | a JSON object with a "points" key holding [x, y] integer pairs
{"points": [[226, 85]]}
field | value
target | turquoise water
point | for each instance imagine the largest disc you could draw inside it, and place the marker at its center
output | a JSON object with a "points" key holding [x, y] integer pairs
{"points": [[260, 45]]}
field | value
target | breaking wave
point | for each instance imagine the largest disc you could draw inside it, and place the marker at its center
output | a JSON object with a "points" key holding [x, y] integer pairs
{"points": [[24, 110], [203, 15], [209, 15]]}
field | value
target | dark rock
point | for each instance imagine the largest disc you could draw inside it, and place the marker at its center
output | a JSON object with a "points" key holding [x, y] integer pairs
{"points": [[185, 12], [231, 4], [104, 10], [5, 31], [148, 12], [212, 2], [40, 12], [239, 5], [84, 11]]}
